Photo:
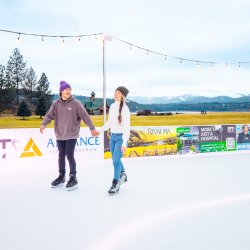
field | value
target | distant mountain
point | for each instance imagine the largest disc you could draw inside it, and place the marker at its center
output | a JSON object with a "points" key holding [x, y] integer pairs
{"points": [[188, 99], [182, 103]]}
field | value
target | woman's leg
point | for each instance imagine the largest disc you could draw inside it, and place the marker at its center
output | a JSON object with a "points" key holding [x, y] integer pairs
{"points": [[117, 155]]}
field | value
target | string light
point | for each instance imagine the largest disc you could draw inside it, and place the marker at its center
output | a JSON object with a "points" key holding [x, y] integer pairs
{"points": [[131, 46]]}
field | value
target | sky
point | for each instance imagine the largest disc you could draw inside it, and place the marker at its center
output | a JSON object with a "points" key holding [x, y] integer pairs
{"points": [[212, 31]]}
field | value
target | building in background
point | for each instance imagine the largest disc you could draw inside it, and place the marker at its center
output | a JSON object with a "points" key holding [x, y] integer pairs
{"points": [[95, 105]]}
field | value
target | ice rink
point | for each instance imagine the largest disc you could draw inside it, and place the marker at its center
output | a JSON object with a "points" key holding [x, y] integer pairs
{"points": [[184, 203]]}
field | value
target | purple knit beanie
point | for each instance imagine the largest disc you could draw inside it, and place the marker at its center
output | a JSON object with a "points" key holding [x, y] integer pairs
{"points": [[64, 85]]}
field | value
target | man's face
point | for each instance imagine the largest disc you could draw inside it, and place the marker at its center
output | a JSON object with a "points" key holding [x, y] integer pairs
{"points": [[66, 93], [245, 129]]}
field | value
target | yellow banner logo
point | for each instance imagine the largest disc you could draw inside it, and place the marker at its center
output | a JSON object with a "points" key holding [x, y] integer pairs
{"points": [[31, 150]]}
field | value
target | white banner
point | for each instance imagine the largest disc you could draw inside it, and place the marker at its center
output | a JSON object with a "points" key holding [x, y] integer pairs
{"points": [[21, 146]]}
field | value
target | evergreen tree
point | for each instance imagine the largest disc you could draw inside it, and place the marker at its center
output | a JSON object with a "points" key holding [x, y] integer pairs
{"points": [[42, 106], [30, 85], [2, 83], [43, 90], [43, 85], [6, 93], [16, 72], [23, 110]]}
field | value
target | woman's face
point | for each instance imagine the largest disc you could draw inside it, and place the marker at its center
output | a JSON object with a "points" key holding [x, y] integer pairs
{"points": [[66, 93], [118, 95]]}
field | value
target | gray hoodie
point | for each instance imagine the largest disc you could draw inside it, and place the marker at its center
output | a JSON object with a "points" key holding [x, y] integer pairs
{"points": [[67, 115]]}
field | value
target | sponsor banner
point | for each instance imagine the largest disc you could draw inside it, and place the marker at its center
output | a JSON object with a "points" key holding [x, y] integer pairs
{"points": [[243, 136], [187, 139], [217, 138], [210, 138], [228, 139], [147, 141], [20, 145], [8, 146]]}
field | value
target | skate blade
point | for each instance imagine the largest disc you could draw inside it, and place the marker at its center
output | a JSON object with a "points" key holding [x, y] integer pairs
{"points": [[60, 185], [113, 193], [72, 188], [122, 181]]}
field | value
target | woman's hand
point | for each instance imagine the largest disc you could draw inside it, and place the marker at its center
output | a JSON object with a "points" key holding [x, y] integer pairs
{"points": [[123, 149]]}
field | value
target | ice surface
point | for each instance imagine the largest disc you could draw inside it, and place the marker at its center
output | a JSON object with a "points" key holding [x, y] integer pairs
{"points": [[184, 203]]}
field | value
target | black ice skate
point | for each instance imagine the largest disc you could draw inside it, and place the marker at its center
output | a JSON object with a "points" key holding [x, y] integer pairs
{"points": [[58, 181], [115, 187], [123, 178], [72, 183]]}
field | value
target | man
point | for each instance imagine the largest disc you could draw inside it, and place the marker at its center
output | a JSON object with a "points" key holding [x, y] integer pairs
{"points": [[67, 113], [244, 137]]}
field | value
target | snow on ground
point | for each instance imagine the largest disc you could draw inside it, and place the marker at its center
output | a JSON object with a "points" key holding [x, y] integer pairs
{"points": [[184, 203]]}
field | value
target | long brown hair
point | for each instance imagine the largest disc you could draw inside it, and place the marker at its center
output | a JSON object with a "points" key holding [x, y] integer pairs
{"points": [[120, 110]]}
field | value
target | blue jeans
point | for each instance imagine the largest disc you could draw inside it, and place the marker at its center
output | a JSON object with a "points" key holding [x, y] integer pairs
{"points": [[115, 148]]}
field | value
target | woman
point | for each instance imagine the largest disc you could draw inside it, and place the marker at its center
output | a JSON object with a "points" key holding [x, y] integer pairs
{"points": [[119, 125]]}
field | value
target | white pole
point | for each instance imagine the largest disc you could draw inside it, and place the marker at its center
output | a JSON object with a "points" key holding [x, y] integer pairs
{"points": [[104, 38], [104, 79]]}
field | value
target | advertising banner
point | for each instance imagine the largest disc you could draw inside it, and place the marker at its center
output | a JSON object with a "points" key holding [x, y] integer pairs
{"points": [[187, 139], [20, 145], [217, 138], [243, 137], [147, 141]]}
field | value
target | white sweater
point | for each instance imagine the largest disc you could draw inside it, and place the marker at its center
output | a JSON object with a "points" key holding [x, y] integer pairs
{"points": [[113, 123]]}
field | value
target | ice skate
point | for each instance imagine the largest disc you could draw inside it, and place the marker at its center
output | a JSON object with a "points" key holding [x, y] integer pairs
{"points": [[123, 178], [58, 181], [115, 187], [72, 182]]}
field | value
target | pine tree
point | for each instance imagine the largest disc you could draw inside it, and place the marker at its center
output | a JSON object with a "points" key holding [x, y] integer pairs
{"points": [[30, 85], [42, 105], [43, 85], [6, 93], [16, 72], [23, 110], [43, 90]]}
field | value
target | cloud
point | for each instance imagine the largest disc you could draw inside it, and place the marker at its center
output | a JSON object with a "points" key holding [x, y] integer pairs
{"points": [[209, 31]]}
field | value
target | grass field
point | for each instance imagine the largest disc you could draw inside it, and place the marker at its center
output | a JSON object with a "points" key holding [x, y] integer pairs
{"points": [[180, 119]]}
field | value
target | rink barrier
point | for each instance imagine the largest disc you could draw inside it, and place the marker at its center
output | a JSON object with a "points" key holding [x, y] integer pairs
{"points": [[24, 145]]}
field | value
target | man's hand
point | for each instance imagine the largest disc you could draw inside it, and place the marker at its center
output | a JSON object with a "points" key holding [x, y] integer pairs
{"points": [[42, 128], [95, 132]]}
